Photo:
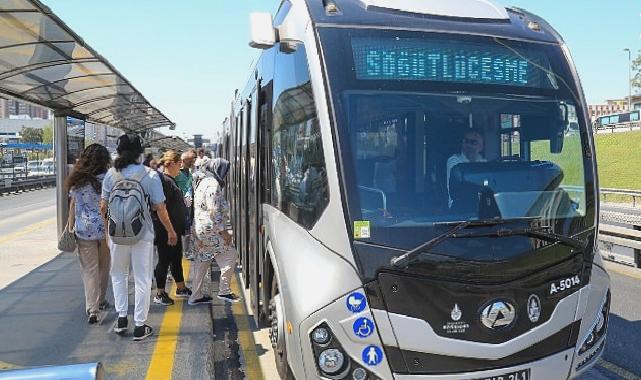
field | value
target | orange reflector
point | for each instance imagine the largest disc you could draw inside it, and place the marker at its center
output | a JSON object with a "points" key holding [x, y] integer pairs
{"points": [[289, 328]]}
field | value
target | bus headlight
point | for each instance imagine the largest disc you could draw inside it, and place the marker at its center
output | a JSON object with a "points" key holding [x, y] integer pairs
{"points": [[359, 374], [320, 335], [599, 327], [331, 361]]}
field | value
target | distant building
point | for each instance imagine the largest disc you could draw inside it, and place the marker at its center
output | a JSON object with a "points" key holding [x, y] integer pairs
{"points": [[14, 109], [609, 108], [613, 107], [198, 141]]}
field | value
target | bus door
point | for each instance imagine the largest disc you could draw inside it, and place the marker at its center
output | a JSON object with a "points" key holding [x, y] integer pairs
{"points": [[264, 190], [244, 180], [237, 169], [253, 204]]}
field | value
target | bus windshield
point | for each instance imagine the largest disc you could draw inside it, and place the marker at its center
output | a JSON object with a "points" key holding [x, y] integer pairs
{"points": [[434, 132]]}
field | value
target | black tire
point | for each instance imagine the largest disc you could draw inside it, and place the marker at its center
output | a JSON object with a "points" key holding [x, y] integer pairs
{"points": [[280, 350]]}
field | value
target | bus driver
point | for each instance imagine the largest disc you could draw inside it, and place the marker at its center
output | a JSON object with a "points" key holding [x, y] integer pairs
{"points": [[471, 148]]}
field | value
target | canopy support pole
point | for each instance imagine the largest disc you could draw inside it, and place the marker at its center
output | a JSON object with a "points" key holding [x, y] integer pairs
{"points": [[60, 149]]}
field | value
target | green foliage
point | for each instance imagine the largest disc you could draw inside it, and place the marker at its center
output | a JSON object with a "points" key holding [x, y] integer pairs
{"points": [[47, 134], [636, 72], [31, 135]]}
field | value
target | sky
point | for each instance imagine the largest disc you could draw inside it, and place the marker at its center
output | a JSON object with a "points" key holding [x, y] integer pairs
{"points": [[187, 57]]}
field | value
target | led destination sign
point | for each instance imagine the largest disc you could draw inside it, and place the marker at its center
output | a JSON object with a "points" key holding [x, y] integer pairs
{"points": [[414, 59]]}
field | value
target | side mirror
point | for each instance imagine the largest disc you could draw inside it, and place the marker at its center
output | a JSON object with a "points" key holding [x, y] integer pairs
{"points": [[263, 34], [556, 141], [558, 130]]}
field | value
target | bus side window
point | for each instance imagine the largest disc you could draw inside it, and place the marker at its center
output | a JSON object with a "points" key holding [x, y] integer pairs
{"points": [[299, 177]]}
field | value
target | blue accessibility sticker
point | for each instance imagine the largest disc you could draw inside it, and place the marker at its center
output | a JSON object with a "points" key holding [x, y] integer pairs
{"points": [[372, 355], [363, 327], [356, 302]]}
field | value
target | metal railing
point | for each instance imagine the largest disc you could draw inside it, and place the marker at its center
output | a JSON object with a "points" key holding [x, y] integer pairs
{"points": [[617, 127], [11, 185], [634, 194], [619, 244]]}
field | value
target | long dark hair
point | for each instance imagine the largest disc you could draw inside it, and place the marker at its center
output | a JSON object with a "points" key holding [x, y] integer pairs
{"points": [[126, 158], [93, 161]]}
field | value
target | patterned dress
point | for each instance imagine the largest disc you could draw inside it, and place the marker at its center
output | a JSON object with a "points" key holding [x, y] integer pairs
{"points": [[211, 211]]}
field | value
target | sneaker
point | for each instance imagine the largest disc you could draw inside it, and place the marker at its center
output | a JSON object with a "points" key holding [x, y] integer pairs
{"points": [[163, 299], [183, 293], [93, 318], [141, 332], [231, 297], [202, 300], [104, 305], [121, 325]]}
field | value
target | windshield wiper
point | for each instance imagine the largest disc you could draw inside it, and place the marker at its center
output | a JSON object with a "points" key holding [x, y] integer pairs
{"points": [[406, 258], [542, 232]]}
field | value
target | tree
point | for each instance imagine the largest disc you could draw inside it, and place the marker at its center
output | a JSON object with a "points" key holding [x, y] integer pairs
{"points": [[47, 134], [31, 135], [636, 73]]}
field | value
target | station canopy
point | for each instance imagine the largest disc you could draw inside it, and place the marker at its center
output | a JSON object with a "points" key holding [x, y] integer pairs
{"points": [[158, 140], [42, 61]]}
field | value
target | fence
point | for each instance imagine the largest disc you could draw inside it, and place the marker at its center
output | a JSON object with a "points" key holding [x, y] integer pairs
{"points": [[11, 185]]}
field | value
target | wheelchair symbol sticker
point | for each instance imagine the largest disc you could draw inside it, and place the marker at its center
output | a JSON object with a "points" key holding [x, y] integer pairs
{"points": [[372, 355], [363, 327], [356, 302]]}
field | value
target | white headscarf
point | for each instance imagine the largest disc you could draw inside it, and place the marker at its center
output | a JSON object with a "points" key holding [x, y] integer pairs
{"points": [[199, 170]]}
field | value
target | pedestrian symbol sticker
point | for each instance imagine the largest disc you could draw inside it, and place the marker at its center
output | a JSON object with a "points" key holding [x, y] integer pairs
{"points": [[363, 327], [372, 355], [356, 302]]}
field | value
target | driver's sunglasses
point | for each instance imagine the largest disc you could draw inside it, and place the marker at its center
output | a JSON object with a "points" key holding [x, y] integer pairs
{"points": [[471, 141]]}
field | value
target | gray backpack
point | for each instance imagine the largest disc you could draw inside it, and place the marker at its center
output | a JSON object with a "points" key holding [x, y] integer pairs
{"points": [[129, 215]]}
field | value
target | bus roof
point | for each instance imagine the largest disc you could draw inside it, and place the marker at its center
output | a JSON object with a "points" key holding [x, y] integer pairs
{"points": [[481, 18]]}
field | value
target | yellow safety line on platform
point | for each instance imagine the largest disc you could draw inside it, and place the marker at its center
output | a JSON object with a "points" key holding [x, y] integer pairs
{"points": [[246, 341], [619, 371], [162, 359], [29, 229]]}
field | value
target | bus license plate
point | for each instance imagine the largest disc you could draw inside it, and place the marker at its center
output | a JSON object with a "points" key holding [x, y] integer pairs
{"points": [[523, 374]]}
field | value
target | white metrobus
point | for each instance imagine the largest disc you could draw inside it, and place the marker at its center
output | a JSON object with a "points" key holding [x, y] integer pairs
{"points": [[406, 198]]}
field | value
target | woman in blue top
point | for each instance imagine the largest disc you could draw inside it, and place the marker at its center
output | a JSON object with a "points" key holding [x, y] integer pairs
{"points": [[85, 184]]}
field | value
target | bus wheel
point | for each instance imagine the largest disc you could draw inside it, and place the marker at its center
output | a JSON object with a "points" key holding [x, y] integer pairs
{"points": [[277, 333]]}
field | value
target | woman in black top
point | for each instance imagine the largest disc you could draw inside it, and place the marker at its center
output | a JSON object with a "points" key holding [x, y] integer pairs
{"points": [[170, 256]]}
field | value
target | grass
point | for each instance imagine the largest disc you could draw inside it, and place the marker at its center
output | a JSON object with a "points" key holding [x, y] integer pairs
{"points": [[618, 161]]}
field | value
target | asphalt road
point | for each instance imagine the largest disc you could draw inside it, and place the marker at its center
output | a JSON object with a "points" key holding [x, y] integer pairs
{"points": [[18, 211]]}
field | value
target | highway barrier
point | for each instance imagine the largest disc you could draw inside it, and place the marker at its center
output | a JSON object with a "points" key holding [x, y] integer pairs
{"points": [[634, 194], [10, 185]]}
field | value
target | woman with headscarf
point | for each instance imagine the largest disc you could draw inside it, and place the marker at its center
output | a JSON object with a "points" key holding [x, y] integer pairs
{"points": [[212, 240]]}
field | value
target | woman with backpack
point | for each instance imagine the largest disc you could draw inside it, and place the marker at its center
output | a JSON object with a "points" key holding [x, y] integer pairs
{"points": [[212, 240], [170, 255], [128, 191], [84, 184]]}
